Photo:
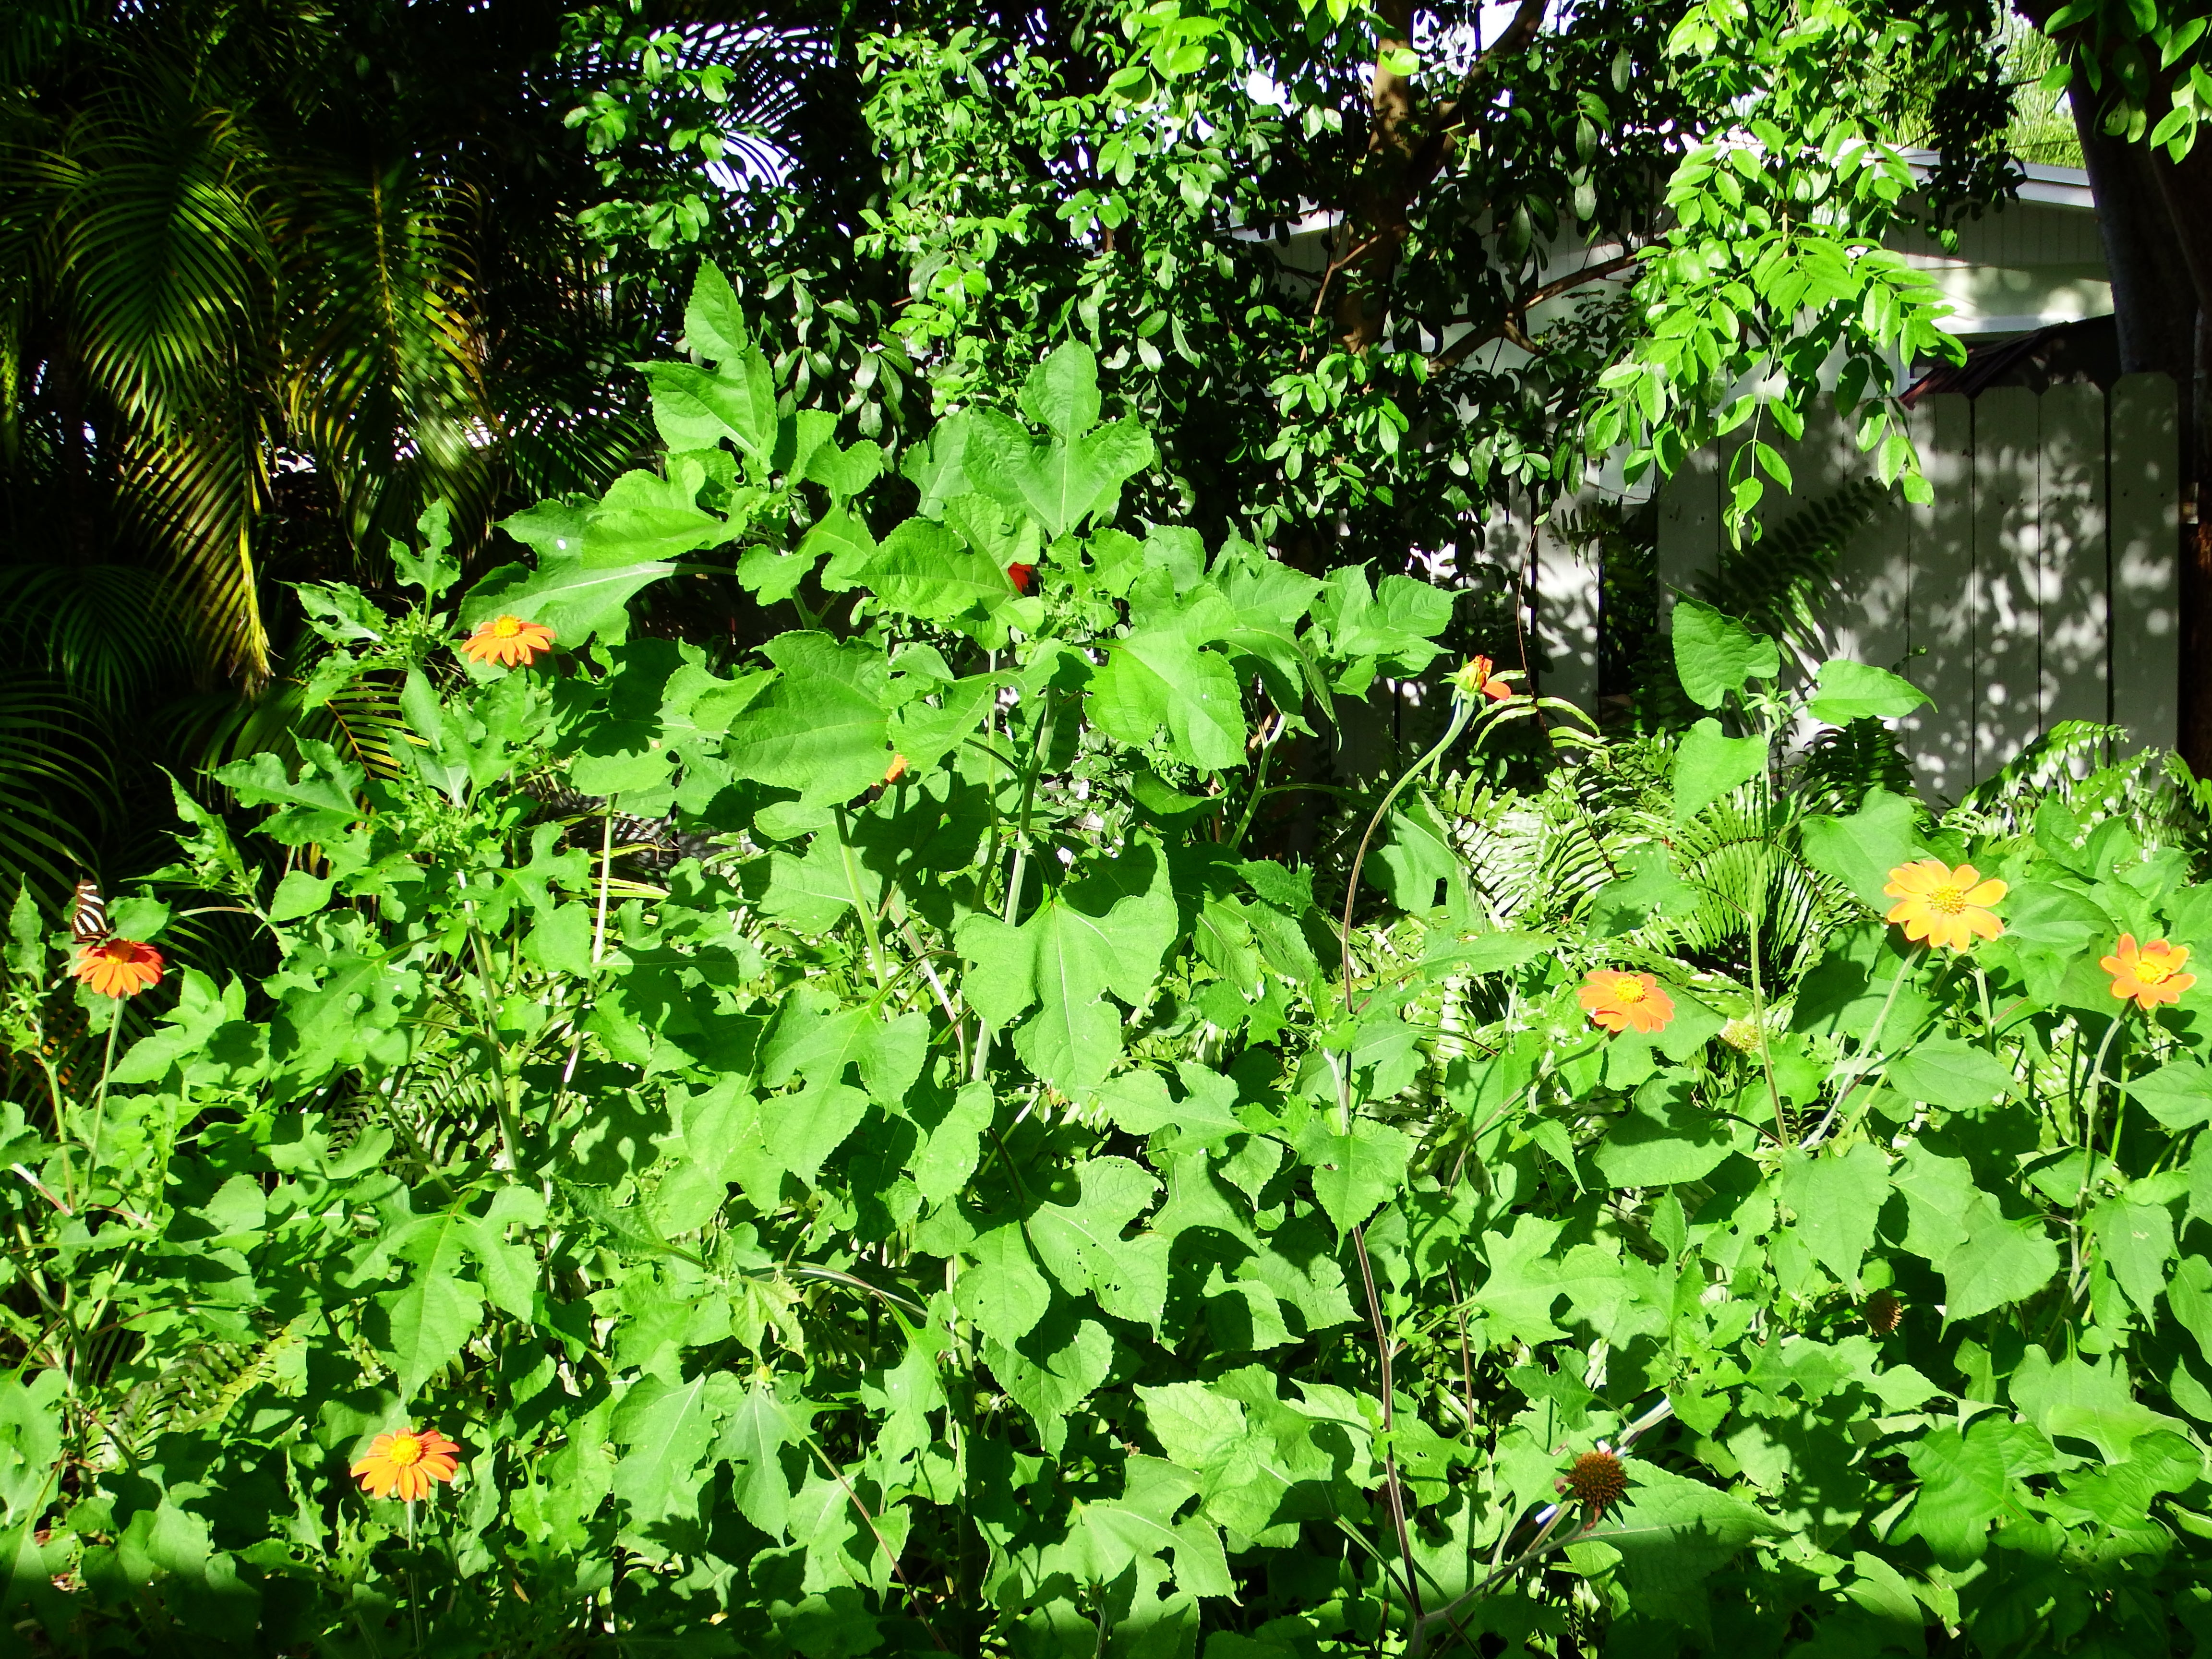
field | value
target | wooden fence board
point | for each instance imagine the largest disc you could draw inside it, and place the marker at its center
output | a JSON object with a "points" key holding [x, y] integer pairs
{"points": [[2038, 586], [1938, 739], [2007, 576], [2072, 598], [1689, 527], [2146, 632], [1568, 592]]}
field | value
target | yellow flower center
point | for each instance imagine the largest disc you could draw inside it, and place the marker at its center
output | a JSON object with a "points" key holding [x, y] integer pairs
{"points": [[406, 1449], [1949, 901], [2153, 971], [1627, 989], [506, 628]]}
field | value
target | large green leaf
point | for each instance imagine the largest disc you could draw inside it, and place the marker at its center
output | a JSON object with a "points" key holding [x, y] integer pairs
{"points": [[1838, 1198], [1711, 765], [1667, 1138], [821, 728], [1852, 690], [1163, 682], [1059, 484], [1353, 1170], [1860, 850], [1945, 1072], [1715, 654]]}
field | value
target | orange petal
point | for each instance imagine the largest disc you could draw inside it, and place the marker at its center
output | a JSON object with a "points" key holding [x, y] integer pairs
{"points": [[1987, 892]]}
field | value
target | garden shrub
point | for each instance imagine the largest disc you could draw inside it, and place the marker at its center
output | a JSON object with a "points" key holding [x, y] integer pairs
{"points": [[961, 1196]]}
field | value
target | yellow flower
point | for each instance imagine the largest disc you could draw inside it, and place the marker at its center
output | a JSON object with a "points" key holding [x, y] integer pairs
{"points": [[2152, 975], [118, 967], [1619, 1001], [1943, 905], [508, 640], [404, 1464]]}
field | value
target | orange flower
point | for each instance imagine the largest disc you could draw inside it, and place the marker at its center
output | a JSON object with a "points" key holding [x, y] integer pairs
{"points": [[1943, 905], [1480, 678], [118, 967], [406, 1463], [1022, 576], [508, 640], [1621, 1001], [894, 771], [2151, 976]]}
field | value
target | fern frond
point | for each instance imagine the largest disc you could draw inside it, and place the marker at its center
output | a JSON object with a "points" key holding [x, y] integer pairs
{"points": [[1781, 583]]}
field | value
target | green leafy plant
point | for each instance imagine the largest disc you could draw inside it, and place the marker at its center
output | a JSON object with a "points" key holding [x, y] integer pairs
{"points": [[975, 1200]]}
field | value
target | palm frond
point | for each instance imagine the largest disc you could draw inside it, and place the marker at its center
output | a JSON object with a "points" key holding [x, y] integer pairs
{"points": [[113, 632], [1781, 583], [385, 382], [57, 788]]}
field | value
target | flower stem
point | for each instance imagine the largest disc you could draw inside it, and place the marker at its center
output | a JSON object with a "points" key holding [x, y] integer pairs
{"points": [[100, 1107], [1461, 714]]}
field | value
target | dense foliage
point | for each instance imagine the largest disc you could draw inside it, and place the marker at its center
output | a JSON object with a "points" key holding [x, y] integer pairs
{"points": [[943, 1192]]}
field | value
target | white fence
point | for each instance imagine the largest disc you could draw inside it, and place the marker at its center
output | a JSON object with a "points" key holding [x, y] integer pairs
{"points": [[2038, 587]]}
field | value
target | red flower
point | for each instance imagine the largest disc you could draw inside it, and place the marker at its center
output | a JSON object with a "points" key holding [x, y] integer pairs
{"points": [[1022, 576], [1480, 678], [118, 967]]}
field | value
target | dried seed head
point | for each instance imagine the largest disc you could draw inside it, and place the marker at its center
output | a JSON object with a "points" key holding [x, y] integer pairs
{"points": [[1741, 1034], [1598, 1480], [1883, 1311]]}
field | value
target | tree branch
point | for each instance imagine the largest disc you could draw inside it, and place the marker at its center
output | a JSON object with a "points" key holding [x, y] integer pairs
{"points": [[1508, 327]]}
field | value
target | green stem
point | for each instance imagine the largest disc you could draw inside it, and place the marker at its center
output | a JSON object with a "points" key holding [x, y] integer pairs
{"points": [[505, 1097], [1258, 783], [1010, 910], [1759, 1025], [1866, 1056], [606, 871], [61, 1129], [2089, 1136], [868, 912], [100, 1108], [1463, 711], [1040, 751]]}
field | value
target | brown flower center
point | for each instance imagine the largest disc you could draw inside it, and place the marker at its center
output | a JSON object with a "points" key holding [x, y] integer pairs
{"points": [[1598, 1480], [406, 1449], [1948, 901]]}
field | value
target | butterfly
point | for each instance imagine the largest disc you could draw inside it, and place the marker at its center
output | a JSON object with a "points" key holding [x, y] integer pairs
{"points": [[88, 922]]}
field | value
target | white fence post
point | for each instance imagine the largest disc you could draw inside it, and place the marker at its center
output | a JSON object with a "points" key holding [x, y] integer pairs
{"points": [[1569, 589]]}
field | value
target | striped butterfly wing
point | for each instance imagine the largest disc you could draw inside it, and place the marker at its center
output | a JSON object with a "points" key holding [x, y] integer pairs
{"points": [[88, 923]]}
